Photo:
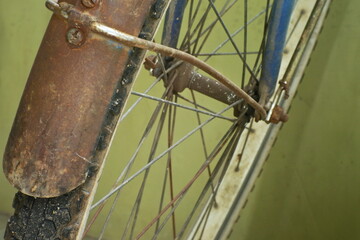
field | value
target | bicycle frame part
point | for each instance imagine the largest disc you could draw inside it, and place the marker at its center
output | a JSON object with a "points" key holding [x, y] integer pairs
{"points": [[173, 21], [71, 87], [275, 42]]}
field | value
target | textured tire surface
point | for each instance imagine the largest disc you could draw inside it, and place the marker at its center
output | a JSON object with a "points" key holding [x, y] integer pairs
{"points": [[40, 218]]}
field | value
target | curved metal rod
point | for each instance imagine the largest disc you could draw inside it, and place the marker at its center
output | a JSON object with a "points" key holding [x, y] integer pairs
{"points": [[133, 41]]}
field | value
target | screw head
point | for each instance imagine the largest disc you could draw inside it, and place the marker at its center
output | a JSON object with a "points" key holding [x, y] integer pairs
{"points": [[75, 37], [89, 3]]}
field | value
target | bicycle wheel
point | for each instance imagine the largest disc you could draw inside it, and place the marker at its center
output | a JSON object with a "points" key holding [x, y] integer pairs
{"points": [[191, 184]]}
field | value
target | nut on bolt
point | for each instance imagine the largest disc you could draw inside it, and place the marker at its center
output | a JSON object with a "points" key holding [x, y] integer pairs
{"points": [[75, 36], [89, 3], [278, 115]]}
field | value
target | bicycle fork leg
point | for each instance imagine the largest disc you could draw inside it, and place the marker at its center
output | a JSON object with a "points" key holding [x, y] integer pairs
{"points": [[275, 42]]}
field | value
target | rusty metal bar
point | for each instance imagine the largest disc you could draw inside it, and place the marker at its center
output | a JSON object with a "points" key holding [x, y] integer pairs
{"points": [[187, 77], [130, 40], [210, 87]]}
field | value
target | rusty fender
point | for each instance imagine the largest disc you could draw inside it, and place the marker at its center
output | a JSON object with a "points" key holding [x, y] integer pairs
{"points": [[67, 96]]}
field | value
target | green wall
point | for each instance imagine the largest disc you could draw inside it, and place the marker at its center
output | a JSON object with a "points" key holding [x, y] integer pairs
{"points": [[22, 24], [309, 188]]}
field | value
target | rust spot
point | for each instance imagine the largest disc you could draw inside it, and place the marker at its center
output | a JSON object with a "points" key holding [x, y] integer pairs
{"points": [[246, 201], [239, 156]]}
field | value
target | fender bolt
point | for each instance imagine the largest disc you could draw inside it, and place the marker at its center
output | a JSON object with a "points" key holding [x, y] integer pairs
{"points": [[89, 3], [75, 36]]}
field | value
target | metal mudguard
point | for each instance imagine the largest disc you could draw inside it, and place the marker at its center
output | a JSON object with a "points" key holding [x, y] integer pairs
{"points": [[67, 96]]}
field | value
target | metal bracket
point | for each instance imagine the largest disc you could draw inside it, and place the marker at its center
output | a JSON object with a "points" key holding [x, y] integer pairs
{"points": [[276, 113]]}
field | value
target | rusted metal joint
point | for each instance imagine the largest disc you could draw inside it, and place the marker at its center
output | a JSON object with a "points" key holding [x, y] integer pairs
{"points": [[186, 77], [70, 13], [60, 9], [78, 20], [278, 115]]}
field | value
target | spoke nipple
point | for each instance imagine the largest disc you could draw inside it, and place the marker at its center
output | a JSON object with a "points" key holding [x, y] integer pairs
{"points": [[75, 37], [89, 3]]}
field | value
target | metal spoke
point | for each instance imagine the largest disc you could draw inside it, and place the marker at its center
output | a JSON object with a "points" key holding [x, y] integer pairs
{"points": [[208, 28], [211, 27], [261, 50], [226, 53], [127, 168], [117, 188], [168, 168], [191, 21], [136, 206], [182, 193], [236, 32], [202, 138], [182, 106], [225, 158], [245, 43], [244, 145], [187, 37], [171, 131], [178, 63], [189, 101], [201, 25], [231, 39]]}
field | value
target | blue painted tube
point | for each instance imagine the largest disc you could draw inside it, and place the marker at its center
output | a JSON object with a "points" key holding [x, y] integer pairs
{"points": [[275, 42], [172, 24]]}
